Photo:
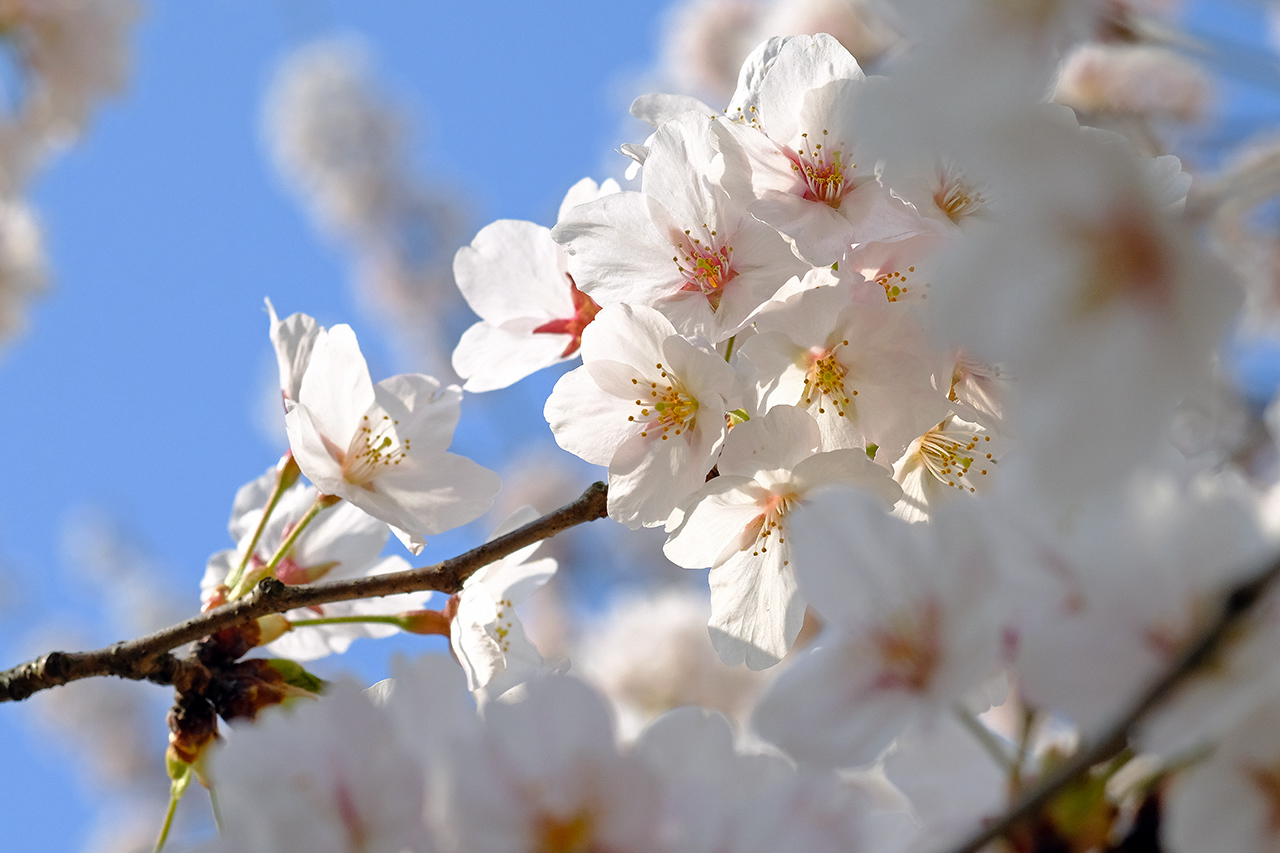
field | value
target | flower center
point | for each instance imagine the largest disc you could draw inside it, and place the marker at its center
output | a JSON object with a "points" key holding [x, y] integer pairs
{"points": [[950, 455], [375, 447], [823, 172], [956, 197], [584, 311], [706, 268], [565, 835], [1267, 782], [909, 647], [1128, 259], [769, 522], [894, 284], [824, 381], [665, 406]]}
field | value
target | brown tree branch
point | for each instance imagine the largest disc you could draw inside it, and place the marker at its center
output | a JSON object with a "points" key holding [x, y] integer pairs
{"points": [[149, 657], [1236, 605]]}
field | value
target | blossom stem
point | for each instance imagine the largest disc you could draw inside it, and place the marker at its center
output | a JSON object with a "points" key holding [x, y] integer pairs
{"points": [[286, 475], [985, 738], [349, 620], [177, 788], [251, 579]]}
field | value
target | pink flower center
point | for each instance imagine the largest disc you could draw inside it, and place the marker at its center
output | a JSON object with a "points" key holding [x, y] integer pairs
{"points": [[584, 311], [910, 648], [706, 267], [827, 177], [824, 381]]}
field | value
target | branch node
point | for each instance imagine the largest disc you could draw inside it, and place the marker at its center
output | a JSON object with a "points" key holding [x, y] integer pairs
{"points": [[268, 587]]}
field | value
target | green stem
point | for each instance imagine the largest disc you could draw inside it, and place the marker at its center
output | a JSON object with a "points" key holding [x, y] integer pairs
{"points": [[728, 349], [177, 788], [983, 736], [1024, 748], [276, 493], [247, 582], [348, 620]]}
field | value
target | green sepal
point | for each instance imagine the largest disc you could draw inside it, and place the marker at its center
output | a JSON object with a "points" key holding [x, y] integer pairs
{"points": [[295, 676]]}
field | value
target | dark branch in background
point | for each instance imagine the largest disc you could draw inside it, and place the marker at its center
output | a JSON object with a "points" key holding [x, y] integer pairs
{"points": [[148, 657], [1236, 605]]}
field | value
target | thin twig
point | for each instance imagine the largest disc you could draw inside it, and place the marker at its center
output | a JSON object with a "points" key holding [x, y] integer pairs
{"points": [[1236, 605], [148, 657]]}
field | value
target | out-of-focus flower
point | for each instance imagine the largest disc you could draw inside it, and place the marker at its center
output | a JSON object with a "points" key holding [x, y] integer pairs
{"points": [[72, 53], [1143, 81], [22, 266], [650, 654]]}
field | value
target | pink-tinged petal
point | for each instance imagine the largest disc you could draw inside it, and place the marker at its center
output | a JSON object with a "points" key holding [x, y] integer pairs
{"points": [[316, 454], [425, 412], [513, 269], [336, 387], [720, 519], [825, 708], [756, 608], [492, 357], [850, 467]]}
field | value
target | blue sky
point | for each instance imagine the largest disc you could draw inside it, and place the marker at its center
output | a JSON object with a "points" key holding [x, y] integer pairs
{"points": [[167, 225]]}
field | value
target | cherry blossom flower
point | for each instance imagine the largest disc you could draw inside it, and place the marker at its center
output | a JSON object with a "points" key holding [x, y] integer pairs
{"points": [[1116, 309], [797, 163], [1110, 595], [649, 405], [860, 368], [485, 633], [532, 313], [382, 446], [331, 776], [739, 524], [341, 542], [550, 778], [954, 456], [913, 623], [680, 246]]}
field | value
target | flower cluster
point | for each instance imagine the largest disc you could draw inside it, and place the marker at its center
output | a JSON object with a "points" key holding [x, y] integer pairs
{"points": [[899, 360]]}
